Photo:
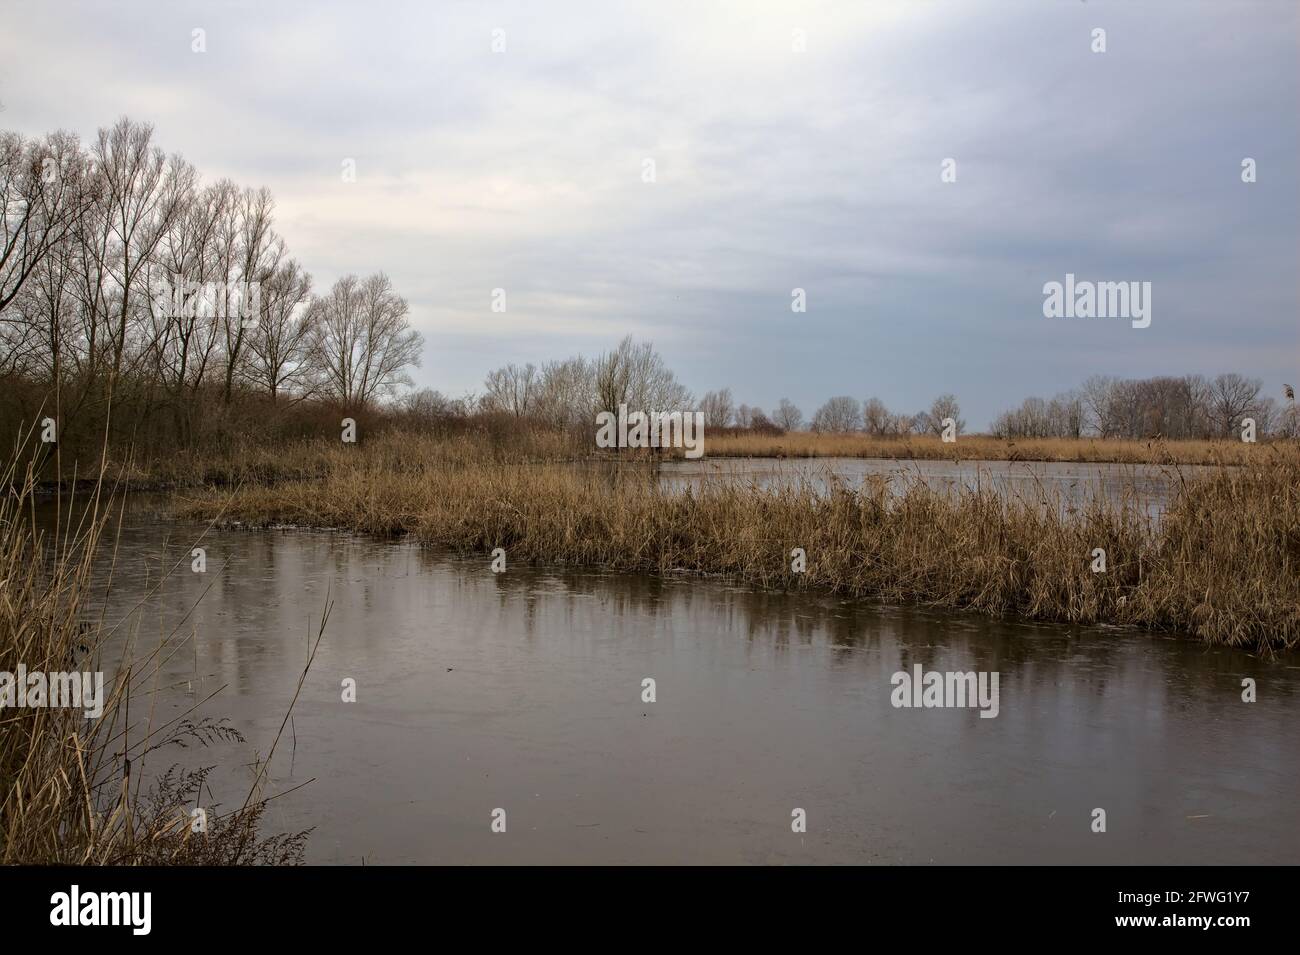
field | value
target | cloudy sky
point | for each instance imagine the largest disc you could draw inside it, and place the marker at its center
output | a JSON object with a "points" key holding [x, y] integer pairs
{"points": [[775, 169]]}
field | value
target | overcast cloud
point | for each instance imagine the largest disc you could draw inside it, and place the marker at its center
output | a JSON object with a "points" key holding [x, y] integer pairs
{"points": [[776, 170]]}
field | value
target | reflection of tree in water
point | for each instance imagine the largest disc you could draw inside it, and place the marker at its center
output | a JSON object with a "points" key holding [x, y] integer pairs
{"points": [[1062, 689]]}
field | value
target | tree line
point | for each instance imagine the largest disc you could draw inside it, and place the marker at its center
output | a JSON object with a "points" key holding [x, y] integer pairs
{"points": [[116, 271], [1190, 406], [111, 252], [571, 391]]}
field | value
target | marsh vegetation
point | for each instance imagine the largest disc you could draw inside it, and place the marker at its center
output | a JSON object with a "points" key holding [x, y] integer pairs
{"points": [[106, 790], [1222, 565]]}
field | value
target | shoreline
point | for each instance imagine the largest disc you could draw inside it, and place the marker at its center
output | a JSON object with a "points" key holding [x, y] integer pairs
{"points": [[271, 464], [1218, 567]]}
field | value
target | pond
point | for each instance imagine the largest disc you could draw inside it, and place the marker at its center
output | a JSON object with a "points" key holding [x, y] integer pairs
{"points": [[524, 691]]}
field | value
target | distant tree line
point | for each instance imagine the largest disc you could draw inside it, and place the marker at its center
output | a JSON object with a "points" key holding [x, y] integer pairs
{"points": [[844, 413], [1191, 406], [570, 392]]}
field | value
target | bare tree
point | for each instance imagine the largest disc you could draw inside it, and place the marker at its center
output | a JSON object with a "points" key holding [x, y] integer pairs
{"points": [[788, 417], [145, 193], [362, 343], [838, 415], [1183, 407], [942, 408], [636, 375], [1267, 415], [652, 386], [567, 392], [1096, 394], [257, 256], [44, 192], [717, 407], [185, 334], [39, 326], [279, 344], [1231, 398], [876, 418], [512, 389], [428, 405], [612, 380], [120, 281], [902, 423]]}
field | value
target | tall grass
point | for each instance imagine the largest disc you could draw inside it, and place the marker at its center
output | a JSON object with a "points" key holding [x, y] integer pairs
{"points": [[228, 458], [73, 790], [1222, 565], [250, 459], [806, 444]]}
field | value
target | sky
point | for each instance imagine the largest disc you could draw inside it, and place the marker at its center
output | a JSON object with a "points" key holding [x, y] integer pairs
{"points": [[795, 145]]}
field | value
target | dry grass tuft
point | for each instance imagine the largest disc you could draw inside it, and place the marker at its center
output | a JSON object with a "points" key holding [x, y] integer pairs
{"points": [[72, 790], [805, 444], [1222, 565]]}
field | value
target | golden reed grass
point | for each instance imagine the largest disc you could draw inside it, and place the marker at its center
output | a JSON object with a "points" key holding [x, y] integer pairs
{"points": [[249, 460], [72, 790], [805, 444], [1222, 565]]}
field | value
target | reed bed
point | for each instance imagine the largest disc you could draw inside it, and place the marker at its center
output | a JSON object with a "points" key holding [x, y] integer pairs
{"points": [[806, 444], [73, 790], [1222, 565], [251, 461], [243, 459]]}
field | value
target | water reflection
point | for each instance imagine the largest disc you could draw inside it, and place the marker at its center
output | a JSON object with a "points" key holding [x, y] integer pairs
{"points": [[523, 691]]}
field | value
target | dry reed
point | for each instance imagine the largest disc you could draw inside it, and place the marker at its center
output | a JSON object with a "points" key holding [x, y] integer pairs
{"points": [[73, 790], [1222, 565], [806, 444]]}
